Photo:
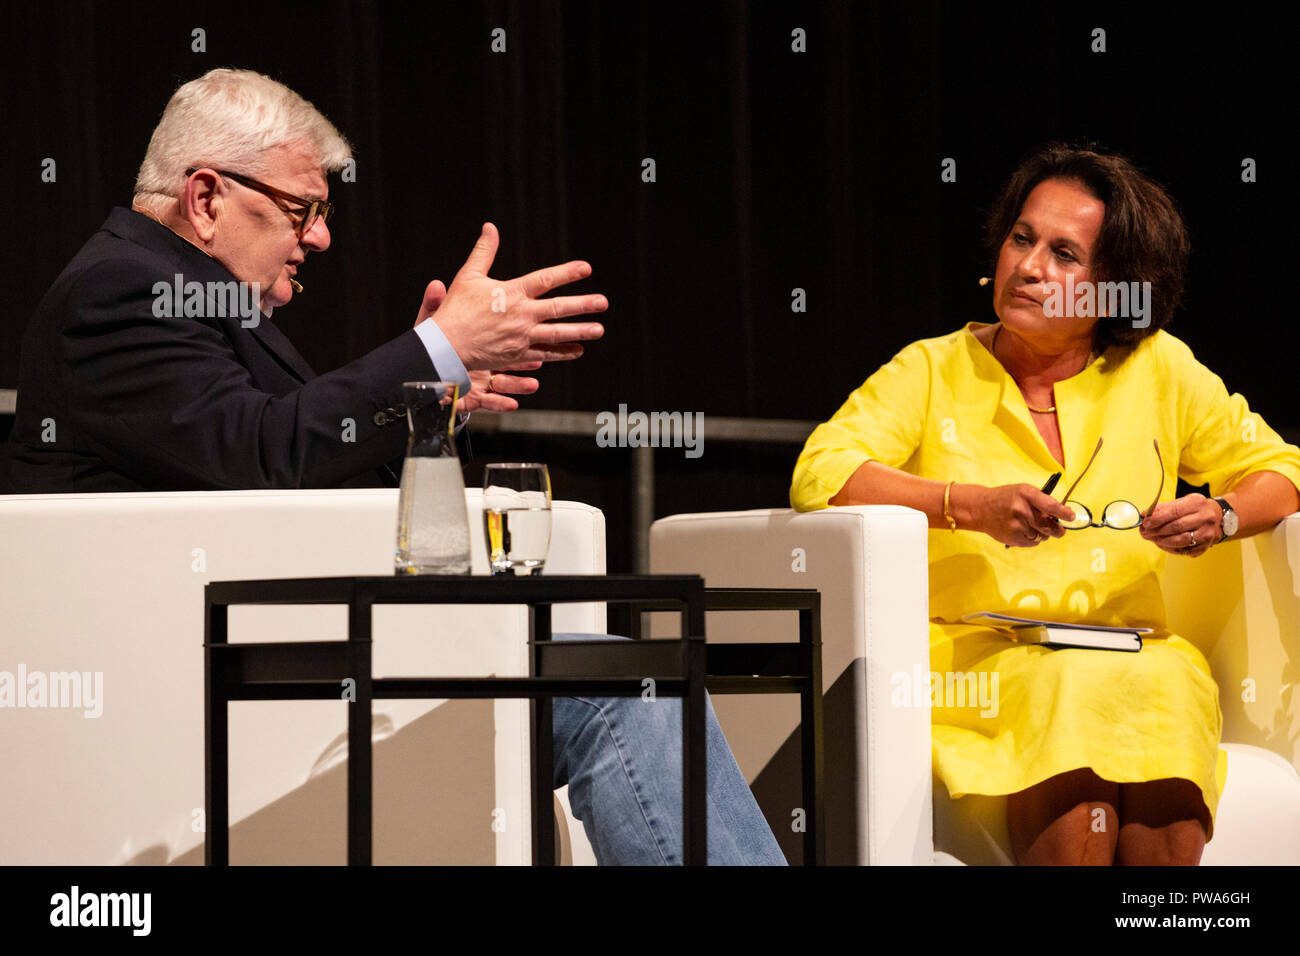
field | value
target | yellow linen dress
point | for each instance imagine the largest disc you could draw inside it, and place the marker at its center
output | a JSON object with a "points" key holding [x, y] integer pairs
{"points": [[946, 409]]}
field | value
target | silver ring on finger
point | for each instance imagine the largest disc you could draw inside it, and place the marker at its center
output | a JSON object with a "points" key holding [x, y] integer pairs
{"points": [[1193, 539]]}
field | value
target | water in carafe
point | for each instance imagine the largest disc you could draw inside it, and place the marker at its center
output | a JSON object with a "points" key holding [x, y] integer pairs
{"points": [[432, 522]]}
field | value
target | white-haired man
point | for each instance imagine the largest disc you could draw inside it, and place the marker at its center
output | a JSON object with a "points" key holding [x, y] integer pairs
{"points": [[153, 364], [154, 355]]}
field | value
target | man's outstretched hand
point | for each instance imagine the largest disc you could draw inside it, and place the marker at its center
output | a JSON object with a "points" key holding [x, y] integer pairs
{"points": [[504, 324]]}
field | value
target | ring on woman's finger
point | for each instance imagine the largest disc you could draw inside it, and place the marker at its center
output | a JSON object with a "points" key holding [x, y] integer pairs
{"points": [[1193, 539]]}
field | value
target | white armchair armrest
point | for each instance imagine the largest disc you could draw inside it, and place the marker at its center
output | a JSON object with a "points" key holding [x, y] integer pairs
{"points": [[870, 565]]}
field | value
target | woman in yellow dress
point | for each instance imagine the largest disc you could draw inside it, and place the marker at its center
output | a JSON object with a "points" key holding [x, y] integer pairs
{"points": [[1105, 757]]}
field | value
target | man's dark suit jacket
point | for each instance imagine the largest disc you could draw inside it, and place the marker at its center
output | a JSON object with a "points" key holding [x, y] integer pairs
{"points": [[137, 402]]}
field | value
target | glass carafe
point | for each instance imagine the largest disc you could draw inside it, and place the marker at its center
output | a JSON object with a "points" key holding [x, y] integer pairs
{"points": [[432, 524]]}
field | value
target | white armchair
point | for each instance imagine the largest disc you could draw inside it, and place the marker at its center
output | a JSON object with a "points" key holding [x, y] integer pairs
{"points": [[112, 584], [1240, 604]]}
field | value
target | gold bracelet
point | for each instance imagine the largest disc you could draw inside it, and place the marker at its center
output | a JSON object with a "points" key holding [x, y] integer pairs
{"points": [[952, 523]]}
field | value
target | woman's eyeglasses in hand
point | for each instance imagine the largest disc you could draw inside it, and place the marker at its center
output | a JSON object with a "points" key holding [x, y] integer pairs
{"points": [[1118, 515]]}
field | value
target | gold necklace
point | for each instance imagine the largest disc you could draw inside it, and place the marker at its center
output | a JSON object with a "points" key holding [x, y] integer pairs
{"points": [[1039, 411]]}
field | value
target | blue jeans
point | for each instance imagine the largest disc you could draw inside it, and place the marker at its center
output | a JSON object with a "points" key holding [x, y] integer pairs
{"points": [[622, 760]]}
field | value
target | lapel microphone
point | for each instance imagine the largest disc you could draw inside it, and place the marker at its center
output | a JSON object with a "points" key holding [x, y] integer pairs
{"points": [[297, 286]]}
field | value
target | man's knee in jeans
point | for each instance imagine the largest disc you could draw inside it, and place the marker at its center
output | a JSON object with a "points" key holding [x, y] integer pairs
{"points": [[583, 720]]}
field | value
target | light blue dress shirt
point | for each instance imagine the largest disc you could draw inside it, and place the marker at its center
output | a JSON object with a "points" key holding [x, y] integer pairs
{"points": [[445, 360]]}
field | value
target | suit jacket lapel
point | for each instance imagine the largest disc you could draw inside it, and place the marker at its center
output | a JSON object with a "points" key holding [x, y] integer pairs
{"points": [[193, 264], [278, 344]]}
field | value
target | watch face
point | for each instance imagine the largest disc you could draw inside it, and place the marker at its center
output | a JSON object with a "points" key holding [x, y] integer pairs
{"points": [[1229, 523]]}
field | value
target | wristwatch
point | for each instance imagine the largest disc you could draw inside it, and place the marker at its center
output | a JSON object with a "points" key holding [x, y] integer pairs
{"points": [[1229, 525]]}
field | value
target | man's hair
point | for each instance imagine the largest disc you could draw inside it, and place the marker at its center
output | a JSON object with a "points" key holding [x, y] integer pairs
{"points": [[231, 119], [1142, 239]]}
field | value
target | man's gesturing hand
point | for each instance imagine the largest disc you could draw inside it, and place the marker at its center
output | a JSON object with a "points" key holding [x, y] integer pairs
{"points": [[491, 391], [496, 324]]}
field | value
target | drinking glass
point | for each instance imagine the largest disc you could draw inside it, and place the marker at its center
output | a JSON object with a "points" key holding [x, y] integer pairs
{"points": [[517, 516]]}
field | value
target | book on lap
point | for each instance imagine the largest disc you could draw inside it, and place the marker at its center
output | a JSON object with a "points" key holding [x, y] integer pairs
{"points": [[1028, 630]]}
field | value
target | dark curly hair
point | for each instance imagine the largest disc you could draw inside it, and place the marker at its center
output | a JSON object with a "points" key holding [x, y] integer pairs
{"points": [[1143, 237]]}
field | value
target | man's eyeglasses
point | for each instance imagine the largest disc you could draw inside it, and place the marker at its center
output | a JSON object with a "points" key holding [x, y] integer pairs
{"points": [[1118, 515], [313, 208]]}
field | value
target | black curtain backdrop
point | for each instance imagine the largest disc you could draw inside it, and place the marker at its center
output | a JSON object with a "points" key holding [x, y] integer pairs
{"points": [[775, 170]]}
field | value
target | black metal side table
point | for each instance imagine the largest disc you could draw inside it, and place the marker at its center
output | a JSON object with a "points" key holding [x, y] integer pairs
{"points": [[315, 670]]}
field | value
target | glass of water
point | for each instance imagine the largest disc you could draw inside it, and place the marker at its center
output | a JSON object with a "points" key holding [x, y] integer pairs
{"points": [[517, 516]]}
